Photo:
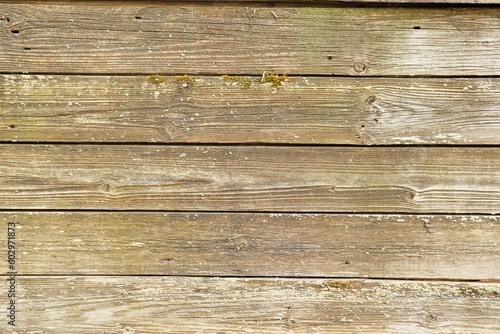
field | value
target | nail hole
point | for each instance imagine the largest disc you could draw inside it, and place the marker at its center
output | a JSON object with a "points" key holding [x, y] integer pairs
{"points": [[15, 31], [362, 125], [416, 27], [7, 19], [347, 262], [329, 57]]}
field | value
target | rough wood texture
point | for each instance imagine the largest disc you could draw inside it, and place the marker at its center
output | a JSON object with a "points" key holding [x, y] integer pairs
{"points": [[244, 110], [305, 179], [473, 2], [357, 75], [401, 246], [240, 40], [245, 2], [119, 305]]}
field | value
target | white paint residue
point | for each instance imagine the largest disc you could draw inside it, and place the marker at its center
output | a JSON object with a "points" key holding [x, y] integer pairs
{"points": [[137, 244], [410, 139]]}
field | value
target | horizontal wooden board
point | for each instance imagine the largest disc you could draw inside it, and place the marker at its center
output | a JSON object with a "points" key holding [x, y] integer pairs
{"points": [[118, 305], [245, 2], [409, 2], [232, 109], [388, 246], [241, 40], [250, 178]]}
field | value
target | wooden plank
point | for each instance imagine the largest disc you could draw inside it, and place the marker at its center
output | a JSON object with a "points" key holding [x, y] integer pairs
{"points": [[243, 2], [388, 246], [240, 40], [255, 178], [233, 109], [472, 2], [217, 305]]}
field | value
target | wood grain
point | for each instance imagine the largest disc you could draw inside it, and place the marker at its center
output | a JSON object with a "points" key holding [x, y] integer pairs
{"points": [[246, 2], [250, 178], [233, 109], [119, 305], [211, 244], [238, 40]]}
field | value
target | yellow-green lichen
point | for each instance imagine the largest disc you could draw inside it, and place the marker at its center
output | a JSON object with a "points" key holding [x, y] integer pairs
{"points": [[244, 82], [184, 78], [273, 78], [156, 79], [185, 81]]}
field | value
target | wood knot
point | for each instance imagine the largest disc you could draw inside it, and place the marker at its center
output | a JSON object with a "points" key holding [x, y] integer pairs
{"points": [[360, 67], [291, 322], [106, 187], [410, 195], [430, 318], [371, 99], [240, 243], [364, 136], [170, 129]]}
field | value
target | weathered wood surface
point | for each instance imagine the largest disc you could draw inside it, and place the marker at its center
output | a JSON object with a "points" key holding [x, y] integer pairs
{"points": [[210, 244], [244, 2], [239, 40], [221, 305], [245, 110], [395, 2], [255, 178]]}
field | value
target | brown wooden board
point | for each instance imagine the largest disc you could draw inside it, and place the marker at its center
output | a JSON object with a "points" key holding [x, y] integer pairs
{"points": [[240, 40], [125, 305], [250, 178], [323, 3], [211, 244], [239, 109]]}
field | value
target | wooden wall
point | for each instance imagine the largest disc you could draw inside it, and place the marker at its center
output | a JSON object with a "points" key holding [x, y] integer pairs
{"points": [[250, 167]]}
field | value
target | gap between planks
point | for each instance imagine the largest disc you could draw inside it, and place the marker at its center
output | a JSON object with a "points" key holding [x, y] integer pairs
{"points": [[127, 305]]}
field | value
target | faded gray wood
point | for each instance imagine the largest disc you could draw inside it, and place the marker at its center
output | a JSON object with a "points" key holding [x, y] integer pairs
{"points": [[245, 110], [239, 40], [250, 178], [216, 305], [212, 244], [243, 2]]}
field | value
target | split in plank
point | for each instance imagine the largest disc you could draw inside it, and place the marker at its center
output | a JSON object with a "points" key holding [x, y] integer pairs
{"points": [[238, 40], [250, 178], [211, 244], [242, 109], [194, 305]]}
